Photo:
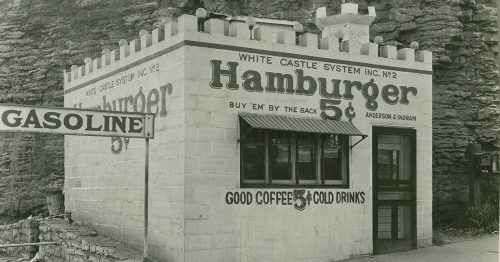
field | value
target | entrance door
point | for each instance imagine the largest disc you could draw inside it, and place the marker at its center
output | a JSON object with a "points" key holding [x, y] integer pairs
{"points": [[394, 218]]}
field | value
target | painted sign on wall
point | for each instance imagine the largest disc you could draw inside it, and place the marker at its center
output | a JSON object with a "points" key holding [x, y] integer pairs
{"points": [[337, 85], [298, 198], [130, 91]]}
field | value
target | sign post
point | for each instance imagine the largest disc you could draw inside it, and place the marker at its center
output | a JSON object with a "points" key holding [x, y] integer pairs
{"points": [[146, 201], [81, 122]]}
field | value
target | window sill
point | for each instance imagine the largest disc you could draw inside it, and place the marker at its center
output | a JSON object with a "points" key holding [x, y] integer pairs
{"points": [[292, 186]]}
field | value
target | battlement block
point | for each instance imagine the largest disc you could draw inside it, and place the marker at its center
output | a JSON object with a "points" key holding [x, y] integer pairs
{"points": [[286, 37], [88, 65], [74, 72], [371, 11], [171, 30], [96, 64], [349, 15], [214, 26], [424, 56], [239, 30], [388, 51], [321, 12], [351, 46], [106, 57], [349, 8], [145, 38], [308, 40], [124, 49], [406, 54], [115, 55], [67, 76], [369, 49], [263, 34], [80, 71], [135, 46], [158, 34], [330, 43], [187, 23]]}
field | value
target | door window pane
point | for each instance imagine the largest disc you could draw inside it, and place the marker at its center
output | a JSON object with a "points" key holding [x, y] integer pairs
{"points": [[395, 164], [306, 156], [384, 222], [388, 164], [331, 162], [253, 156], [403, 195], [280, 161], [384, 165], [405, 159], [394, 157], [404, 222]]}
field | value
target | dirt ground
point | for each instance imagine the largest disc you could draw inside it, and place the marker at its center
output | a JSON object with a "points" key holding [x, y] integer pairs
{"points": [[5, 258], [446, 235]]}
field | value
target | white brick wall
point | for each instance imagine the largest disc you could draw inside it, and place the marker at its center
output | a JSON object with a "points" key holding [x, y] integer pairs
{"points": [[259, 233], [110, 190]]}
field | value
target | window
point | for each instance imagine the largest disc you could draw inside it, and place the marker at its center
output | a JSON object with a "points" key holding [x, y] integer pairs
{"points": [[287, 158]]}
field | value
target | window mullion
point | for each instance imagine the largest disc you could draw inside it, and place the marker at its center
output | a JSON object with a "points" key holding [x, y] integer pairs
{"points": [[319, 155], [345, 157], [293, 158], [266, 157]]}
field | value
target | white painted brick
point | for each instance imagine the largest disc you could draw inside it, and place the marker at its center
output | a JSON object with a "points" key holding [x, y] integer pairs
{"points": [[212, 164], [198, 117], [212, 104], [225, 119], [211, 255], [191, 256], [198, 148], [231, 134], [205, 72], [232, 165], [224, 149], [212, 134], [190, 71]]}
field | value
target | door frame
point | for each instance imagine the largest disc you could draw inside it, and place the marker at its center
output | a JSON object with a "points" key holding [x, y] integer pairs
{"points": [[376, 131]]}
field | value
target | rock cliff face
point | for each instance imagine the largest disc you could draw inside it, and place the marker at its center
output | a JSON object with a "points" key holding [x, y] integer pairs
{"points": [[38, 39], [462, 36]]}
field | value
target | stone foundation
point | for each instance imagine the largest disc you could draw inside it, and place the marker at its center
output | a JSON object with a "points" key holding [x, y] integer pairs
{"points": [[79, 243], [73, 242], [25, 231]]}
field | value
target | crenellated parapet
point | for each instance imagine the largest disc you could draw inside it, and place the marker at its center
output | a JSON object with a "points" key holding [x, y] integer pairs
{"points": [[344, 33]]}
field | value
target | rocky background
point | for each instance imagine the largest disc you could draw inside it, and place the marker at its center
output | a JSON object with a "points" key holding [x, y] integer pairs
{"points": [[40, 38]]}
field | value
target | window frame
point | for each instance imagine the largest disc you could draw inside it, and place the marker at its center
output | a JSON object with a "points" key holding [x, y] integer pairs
{"points": [[319, 182]]}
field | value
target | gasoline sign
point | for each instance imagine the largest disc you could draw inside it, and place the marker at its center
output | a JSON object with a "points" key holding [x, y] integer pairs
{"points": [[70, 121]]}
